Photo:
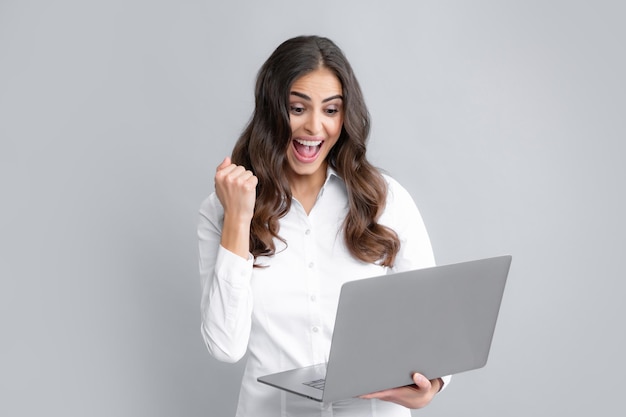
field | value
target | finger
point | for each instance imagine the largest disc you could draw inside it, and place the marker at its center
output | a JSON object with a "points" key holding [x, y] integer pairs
{"points": [[378, 394], [242, 174], [238, 174], [226, 162], [421, 381], [229, 172], [242, 177], [249, 180]]}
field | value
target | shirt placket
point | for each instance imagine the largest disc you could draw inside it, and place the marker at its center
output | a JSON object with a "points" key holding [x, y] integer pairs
{"points": [[313, 290]]}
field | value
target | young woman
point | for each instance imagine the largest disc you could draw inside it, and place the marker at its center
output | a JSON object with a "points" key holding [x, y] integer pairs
{"points": [[297, 211]]}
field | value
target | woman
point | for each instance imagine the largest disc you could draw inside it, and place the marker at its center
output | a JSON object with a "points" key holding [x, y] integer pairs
{"points": [[297, 212]]}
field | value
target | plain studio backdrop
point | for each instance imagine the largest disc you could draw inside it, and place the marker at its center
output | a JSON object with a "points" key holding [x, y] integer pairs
{"points": [[504, 119]]}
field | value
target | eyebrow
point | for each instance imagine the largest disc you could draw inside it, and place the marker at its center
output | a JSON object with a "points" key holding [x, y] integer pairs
{"points": [[304, 96]]}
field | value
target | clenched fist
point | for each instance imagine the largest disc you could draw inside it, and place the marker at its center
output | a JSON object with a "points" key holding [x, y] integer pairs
{"points": [[236, 189]]}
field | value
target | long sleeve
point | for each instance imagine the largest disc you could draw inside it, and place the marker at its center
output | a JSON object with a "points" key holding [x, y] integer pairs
{"points": [[283, 315], [227, 301], [402, 215]]}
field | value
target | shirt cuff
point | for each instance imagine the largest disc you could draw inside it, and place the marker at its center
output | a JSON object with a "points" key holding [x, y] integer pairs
{"points": [[233, 269], [446, 380]]}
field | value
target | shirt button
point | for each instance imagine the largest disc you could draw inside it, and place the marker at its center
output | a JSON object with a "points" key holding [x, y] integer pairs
{"points": [[313, 298], [311, 265], [315, 329], [307, 232]]}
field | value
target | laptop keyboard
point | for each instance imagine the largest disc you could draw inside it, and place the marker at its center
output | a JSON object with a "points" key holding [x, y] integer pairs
{"points": [[318, 383]]}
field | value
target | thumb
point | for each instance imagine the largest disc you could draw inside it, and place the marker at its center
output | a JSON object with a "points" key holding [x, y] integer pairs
{"points": [[421, 381], [226, 162]]}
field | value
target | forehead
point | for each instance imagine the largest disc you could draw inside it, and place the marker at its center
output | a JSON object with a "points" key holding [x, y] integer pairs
{"points": [[321, 83]]}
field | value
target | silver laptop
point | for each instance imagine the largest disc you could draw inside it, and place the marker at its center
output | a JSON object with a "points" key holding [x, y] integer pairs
{"points": [[437, 321]]}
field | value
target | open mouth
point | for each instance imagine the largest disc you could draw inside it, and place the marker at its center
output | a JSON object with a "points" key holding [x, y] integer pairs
{"points": [[307, 150]]}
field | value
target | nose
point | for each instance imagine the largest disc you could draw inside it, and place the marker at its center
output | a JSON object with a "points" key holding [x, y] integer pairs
{"points": [[313, 123]]}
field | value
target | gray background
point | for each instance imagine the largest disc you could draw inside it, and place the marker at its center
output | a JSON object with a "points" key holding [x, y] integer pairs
{"points": [[505, 120]]}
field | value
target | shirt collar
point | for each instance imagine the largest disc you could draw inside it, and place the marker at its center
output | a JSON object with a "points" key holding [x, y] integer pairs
{"points": [[330, 173], [331, 176]]}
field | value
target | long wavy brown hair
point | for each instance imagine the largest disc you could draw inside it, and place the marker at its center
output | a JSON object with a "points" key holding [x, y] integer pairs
{"points": [[261, 148]]}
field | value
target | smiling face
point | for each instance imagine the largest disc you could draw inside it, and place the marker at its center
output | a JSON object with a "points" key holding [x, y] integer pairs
{"points": [[316, 119]]}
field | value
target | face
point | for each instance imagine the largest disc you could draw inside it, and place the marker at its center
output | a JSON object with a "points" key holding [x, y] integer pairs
{"points": [[316, 118]]}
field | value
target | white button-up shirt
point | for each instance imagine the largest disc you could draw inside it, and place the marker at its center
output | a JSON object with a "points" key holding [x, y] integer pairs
{"points": [[283, 315]]}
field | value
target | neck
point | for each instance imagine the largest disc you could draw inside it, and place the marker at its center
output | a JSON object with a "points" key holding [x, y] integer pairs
{"points": [[305, 188]]}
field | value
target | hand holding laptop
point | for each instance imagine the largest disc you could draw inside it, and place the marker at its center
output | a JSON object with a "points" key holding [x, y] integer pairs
{"points": [[385, 331], [410, 396]]}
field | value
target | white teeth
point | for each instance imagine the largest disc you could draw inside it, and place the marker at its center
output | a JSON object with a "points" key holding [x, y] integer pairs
{"points": [[309, 142]]}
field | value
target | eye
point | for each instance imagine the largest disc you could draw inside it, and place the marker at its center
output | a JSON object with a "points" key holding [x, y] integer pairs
{"points": [[295, 109], [331, 111]]}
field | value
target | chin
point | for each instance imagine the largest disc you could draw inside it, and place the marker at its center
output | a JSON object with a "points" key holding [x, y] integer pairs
{"points": [[303, 170]]}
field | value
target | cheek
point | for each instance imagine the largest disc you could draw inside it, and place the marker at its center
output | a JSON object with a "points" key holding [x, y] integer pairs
{"points": [[292, 125], [338, 127], [296, 123]]}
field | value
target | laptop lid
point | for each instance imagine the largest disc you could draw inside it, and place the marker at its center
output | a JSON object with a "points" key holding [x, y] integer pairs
{"points": [[436, 321]]}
